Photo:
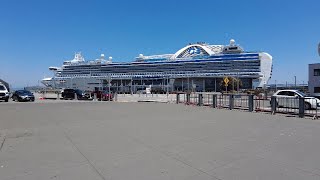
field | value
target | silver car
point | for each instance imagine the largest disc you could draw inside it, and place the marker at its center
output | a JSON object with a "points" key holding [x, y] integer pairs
{"points": [[290, 98]]}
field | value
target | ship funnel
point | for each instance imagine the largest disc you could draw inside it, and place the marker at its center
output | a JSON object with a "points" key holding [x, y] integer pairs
{"points": [[232, 42], [77, 58]]}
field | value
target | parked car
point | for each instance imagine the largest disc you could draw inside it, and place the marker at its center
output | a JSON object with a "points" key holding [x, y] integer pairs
{"points": [[103, 95], [22, 95], [86, 94], [70, 94], [4, 93], [290, 98]]}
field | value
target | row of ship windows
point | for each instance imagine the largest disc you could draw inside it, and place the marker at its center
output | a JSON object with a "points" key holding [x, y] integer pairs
{"points": [[235, 63], [126, 74], [176, 64], [190, 65], [167, 67], [161, 72]]}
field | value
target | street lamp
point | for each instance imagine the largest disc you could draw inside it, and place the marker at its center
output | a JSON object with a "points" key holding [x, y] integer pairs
{"points": [[319, 48]]}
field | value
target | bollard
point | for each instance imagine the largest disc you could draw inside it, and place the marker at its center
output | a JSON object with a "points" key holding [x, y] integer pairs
{"points": [[231, 101], [301, 107], [95, 97], [250, 102], [75, 96], [178, 98], [214, 100], [273, 104], [200, 100], [116, 97], [188, 98], [58, 96]]}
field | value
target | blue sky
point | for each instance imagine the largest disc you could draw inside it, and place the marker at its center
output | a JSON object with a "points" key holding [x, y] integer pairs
{"points": [[36, 34]]}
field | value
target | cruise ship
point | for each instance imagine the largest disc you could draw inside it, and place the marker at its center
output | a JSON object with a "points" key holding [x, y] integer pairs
{"points": [[197, 66]]}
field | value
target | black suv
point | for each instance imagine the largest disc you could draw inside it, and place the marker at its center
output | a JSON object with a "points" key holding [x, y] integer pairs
{"points": [[70, 94]]}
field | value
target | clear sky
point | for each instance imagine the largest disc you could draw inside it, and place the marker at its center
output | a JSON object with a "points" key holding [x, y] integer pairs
{"points": [[36, 34]]}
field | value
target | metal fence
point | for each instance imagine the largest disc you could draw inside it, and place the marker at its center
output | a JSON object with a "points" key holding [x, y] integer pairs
{"points": [[291, 106], [300, 107], [295, 106]]}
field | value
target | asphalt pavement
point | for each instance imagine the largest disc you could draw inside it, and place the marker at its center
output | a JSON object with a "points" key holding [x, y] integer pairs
{"points": [[142, 141]]}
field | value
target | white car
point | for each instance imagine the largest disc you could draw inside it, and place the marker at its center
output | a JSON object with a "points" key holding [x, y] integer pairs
{"points": [[4, 93], [290, 98]]}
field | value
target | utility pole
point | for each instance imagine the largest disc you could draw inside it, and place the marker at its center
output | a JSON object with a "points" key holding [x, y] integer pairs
{"points": [[215, 84], [204, 85], [131, 81], [238, 81], [182, 89], [188, 84], [233, 79], [141, 82]]}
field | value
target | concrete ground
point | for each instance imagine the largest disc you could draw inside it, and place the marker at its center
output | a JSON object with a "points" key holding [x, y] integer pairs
{"points": [[142, 141]]}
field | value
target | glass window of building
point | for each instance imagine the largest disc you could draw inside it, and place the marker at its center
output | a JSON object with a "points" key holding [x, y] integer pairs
{"points": [[316, 89], [316, 72]]}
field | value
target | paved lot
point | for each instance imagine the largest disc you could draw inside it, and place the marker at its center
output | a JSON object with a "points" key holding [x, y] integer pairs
{"points": [[143, 141]]}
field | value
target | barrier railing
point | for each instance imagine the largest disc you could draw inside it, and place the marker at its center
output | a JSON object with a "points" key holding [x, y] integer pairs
{"points": [[293, 106], [313, 110], [262, 104]]}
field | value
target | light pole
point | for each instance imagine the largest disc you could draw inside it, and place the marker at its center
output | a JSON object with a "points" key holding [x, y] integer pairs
{"points": [[188, 84], [238, 81], [215, 84], [131, 85]]}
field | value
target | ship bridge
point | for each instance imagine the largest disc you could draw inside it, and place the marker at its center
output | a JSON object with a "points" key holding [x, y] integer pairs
{"points": [[196, 50], [203, 50]]}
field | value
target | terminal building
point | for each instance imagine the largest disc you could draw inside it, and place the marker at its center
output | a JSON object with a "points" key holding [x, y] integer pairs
{"points": [[195, 67], [314, 79]]}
